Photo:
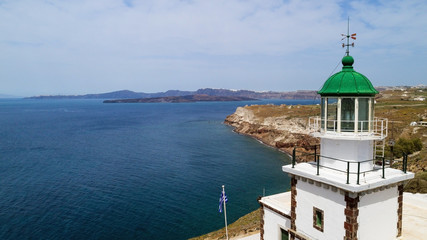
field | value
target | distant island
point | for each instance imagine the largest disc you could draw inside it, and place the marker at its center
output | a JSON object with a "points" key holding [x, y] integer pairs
{"points": [[126, 94], [181, 99]]}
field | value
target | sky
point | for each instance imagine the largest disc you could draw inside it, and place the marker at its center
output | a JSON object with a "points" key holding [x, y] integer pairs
{"points": [[50, 47]]}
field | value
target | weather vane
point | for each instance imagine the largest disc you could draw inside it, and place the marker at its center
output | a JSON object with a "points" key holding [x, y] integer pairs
{"points": [[348, 36]]}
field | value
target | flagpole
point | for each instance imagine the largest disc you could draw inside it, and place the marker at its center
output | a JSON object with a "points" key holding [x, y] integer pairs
{"points": [[225, 211]]}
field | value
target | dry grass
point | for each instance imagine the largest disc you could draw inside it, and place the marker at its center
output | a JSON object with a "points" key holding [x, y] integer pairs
{"points": [[245, 225], [290, 111], [401, 111]]}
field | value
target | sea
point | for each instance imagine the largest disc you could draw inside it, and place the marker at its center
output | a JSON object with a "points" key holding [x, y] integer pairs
{"points": [[83, 169]]}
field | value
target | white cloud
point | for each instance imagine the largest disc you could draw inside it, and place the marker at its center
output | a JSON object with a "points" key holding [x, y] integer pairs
{"points": [[393, 23], [103, 45]]}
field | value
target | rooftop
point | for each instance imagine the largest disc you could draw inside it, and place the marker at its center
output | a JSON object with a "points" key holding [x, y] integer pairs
{"points": [[367, 181], [281, 202], [348, 82]]}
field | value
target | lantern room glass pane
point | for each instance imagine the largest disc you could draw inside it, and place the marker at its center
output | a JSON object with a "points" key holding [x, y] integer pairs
{"points": [[372, 113], [363, 114], [322, 113], [347, 114], [332, 114]]}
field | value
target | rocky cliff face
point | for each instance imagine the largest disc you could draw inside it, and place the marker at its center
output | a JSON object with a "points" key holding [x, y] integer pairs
{"points": [[274, 126]]}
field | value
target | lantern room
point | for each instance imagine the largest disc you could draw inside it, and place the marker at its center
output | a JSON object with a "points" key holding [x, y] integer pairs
{"points": [[347, 128], [347, 101]]}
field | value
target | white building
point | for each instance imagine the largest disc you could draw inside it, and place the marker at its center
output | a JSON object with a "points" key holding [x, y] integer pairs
{"points": [[349, 191]]}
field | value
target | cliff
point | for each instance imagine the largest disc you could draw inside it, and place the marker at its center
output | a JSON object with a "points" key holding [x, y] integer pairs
{"points": [[282, 127]]}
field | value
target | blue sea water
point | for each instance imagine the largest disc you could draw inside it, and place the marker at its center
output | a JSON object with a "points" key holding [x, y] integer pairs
{"points": [[81, 169]]}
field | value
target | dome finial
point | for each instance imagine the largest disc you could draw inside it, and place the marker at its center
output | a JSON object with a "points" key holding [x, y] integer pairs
{"points": [[348, 36]]}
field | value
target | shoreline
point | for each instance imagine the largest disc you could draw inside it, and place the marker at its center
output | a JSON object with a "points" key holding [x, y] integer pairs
{"points": [[260, 141], [275, 126]]}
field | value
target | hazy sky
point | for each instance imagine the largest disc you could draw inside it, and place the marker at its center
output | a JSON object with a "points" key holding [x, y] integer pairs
{"points": [[94, 46]]}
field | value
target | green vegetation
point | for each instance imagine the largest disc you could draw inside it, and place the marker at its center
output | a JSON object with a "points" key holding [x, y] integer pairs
{"points": [[404, 145]]}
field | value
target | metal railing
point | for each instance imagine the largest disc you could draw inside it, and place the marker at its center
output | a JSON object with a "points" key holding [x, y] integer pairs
{"points": [[378, 126], [379, 164]]}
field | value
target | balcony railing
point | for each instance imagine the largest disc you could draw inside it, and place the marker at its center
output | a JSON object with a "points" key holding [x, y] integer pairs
{"points": [[353, 168], [378, 126]]}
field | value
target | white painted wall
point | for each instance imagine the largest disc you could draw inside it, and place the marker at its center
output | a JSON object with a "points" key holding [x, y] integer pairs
{"points": [[378, 215], [272, 224], [350, 150], [332, 204]]}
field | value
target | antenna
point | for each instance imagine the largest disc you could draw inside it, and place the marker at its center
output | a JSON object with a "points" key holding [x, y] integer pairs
{"points": [[348, 36]]}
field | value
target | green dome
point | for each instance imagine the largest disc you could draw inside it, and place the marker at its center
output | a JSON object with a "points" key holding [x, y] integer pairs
{"points": [[347, 82]]}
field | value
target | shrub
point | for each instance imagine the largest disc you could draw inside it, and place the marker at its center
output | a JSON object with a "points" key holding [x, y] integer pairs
{"points": [[404, 145], [418, 184], [418, 144]]}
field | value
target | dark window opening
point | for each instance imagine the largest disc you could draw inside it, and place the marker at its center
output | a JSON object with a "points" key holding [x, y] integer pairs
{"points": [[318, 219], [285, 234]]}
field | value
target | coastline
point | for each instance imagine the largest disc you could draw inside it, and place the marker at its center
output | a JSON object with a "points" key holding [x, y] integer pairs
{"points": [[289, 154], [275, 126]]}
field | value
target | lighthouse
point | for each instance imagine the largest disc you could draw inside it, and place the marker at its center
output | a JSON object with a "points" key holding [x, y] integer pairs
{"points": [[349, 190]]}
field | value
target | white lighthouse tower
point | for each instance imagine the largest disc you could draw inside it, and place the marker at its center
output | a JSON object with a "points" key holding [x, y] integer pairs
{"points": [[347, 192]]}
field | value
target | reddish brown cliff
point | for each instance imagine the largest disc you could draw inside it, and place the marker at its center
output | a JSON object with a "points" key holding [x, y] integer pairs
{"points": [[282, 127]]}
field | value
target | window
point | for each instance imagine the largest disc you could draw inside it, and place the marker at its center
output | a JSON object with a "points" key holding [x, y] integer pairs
{"points": [[318, 219], [322, 113], [332, 114], [347, 114], [284, 233], [363, 114]]}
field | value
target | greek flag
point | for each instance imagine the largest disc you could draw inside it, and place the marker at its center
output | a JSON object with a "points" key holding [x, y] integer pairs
{"points": [[221, 201]]}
